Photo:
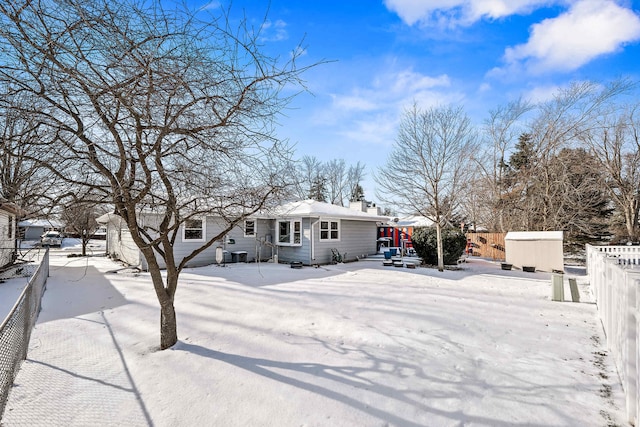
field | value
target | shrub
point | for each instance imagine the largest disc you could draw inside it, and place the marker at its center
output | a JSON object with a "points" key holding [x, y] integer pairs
{"points": [[426, 245]]}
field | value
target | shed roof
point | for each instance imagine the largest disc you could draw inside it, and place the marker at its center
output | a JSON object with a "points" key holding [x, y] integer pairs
{"points": [[534, 235]]}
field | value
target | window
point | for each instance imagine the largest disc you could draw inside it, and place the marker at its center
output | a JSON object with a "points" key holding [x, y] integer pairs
{"points": [[297, 232], [193, 230], [330, 230], [290, 233], [249, 228]]}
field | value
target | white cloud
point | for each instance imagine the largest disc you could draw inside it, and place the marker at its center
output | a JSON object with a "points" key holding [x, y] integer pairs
{"points": [[211, 5], [370, 113], [590, 28], [392, 89], [353, 102], [408, 81], [542, 93], [380, 129], [274, 31], [460, 12], [484, 87]]}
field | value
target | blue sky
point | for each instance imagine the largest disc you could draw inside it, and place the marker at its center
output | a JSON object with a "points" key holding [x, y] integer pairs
{"points": [[478, 54]]}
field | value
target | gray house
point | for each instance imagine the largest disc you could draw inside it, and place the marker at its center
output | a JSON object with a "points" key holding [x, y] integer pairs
{"points": [[32, 229], [304, 231], [308, 230]]}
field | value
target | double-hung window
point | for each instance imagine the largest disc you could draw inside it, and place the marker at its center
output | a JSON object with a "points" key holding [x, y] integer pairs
{"points": [[289, 232], [249, 228], [193, 230], [330, 229]]}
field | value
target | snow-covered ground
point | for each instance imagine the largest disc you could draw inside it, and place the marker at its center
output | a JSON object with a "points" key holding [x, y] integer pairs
{"points": [[347, 345], [30, 252]]}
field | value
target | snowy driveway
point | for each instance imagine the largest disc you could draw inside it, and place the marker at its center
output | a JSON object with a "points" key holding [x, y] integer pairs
{"points": [[348, 345]]}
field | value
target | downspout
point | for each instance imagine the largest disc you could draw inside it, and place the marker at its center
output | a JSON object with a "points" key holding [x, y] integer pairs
{"points": [[313, 241]]}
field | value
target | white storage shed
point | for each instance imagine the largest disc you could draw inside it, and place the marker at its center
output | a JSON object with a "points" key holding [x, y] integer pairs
{"points": [[539, 249]]}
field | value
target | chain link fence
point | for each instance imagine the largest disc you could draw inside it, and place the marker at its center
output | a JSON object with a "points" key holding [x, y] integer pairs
{"points": [[15, 330]]}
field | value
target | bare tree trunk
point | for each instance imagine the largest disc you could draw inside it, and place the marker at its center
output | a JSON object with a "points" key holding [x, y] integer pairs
{"points": [[439, 245], [165, 291], [168, 325], [631, 220]]}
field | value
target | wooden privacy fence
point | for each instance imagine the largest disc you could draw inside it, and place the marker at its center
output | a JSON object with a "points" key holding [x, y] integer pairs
{"points": [[488, 245], [614, 279]]}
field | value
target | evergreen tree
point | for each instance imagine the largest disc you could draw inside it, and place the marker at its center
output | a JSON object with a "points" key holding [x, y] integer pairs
{"points": [[318, 189]]}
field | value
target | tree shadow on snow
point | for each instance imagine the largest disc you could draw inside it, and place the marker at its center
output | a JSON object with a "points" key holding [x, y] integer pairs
{"points": [[357, 377]]}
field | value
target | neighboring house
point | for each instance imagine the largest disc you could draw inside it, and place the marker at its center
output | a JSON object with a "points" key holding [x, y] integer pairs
{"points": [[32, 229], [304, 231], [8, 213], [397, 232]]}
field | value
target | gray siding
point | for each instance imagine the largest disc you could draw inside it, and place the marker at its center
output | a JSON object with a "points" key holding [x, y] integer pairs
{"points": [[287, 254], [33, 232], [256, 246], [357, 239], [182, 248], [120, 244]]}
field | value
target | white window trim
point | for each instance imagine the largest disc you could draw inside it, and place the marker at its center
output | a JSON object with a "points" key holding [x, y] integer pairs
{"points": [[255, 228], [204, 231], [291, 232], [329, 221]]}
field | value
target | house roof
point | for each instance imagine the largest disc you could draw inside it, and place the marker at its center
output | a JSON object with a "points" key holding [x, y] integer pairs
{"points": [[313, 208], [412, 221], [12, 208], [305, 208], [46, 223], [105, 218]]}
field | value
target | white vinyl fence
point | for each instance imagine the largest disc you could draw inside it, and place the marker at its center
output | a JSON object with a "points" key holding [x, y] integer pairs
{"points": [[614, 275]]}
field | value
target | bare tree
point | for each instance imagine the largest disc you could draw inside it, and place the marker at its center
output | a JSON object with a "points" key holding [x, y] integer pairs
{"points": [[355, 175], [524, 192], [168, 112], [502, 130], [24, 178], [331, 181], [80, 218], [429, 167], [581, 206], [615, 142], [336, 178], [309, 179]]}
